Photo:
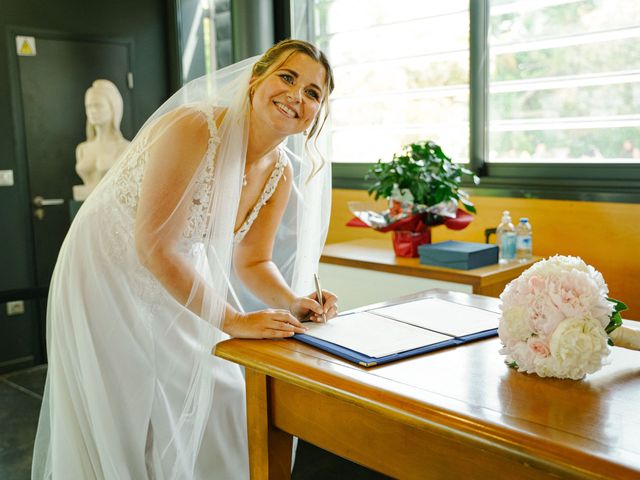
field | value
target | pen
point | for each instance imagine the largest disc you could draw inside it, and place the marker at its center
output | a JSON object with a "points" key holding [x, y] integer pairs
{"points": [[319, 295]]}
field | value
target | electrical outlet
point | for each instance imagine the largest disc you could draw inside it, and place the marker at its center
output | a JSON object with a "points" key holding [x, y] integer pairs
{"points": [[15, 308], [6, 178]]}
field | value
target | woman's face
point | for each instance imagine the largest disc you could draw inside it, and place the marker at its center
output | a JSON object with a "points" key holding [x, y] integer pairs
{"points": [[290, 97], [97, 108]]}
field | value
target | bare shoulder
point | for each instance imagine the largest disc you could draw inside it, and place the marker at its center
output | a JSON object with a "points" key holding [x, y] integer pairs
{"points": [[287, 174], [185, 125]]}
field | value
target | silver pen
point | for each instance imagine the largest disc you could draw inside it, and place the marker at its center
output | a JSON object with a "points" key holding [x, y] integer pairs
{"points": [[319, 295]]}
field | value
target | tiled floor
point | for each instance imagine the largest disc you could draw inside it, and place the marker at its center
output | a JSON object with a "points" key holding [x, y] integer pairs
{"points": [[20, 397]]}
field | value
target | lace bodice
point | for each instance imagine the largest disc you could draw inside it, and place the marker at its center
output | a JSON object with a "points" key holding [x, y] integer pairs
{"points": [[128, 180], [269, 188]]}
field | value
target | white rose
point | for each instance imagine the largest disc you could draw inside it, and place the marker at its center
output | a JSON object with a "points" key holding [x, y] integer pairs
{"points": [[524, 357], [578, 347], [513, 326]]}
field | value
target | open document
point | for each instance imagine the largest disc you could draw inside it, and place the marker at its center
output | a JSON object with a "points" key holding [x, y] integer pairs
{"points": [[385, 334]]}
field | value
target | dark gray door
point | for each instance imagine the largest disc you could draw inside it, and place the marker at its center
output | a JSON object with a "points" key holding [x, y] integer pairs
{"points": [[52, 87]]}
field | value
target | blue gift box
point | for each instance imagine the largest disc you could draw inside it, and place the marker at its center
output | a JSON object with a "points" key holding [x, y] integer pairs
{"points": [[460, 255]]}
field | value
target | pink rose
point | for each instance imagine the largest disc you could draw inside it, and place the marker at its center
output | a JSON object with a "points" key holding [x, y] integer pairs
{"points": [[536, 284], [538, 347]]}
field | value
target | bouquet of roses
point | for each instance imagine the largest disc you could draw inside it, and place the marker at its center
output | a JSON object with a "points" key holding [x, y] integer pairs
{"points": [[556, 320]]}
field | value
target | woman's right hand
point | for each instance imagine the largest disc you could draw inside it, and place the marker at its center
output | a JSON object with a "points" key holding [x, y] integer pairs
{"points": [[270, 323]]}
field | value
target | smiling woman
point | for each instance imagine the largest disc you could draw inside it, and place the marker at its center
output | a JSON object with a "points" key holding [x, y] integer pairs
{"points": [[277, 58], [295, 92], [174, 252], [285, 101]]}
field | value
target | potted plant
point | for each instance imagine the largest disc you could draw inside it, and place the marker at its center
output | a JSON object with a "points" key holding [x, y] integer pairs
{"points": [[422, 186]]}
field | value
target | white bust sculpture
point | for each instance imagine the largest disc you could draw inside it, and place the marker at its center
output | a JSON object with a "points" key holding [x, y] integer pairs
{"points": [[105, 143]]}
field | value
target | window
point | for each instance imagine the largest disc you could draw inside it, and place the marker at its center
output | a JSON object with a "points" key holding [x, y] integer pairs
{"points": [[564, 81], [393, 65], [550, 84], [204, 36]]}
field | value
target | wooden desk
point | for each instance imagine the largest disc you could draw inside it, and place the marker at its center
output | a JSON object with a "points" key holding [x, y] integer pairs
{"points": [[458, 413], [378, 255]]}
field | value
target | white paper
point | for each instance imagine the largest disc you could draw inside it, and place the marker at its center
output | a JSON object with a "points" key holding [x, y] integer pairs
{"points": [[442, 316], [373, 335]]}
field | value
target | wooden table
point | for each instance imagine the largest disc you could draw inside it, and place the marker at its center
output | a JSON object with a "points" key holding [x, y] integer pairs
{"points": [[372, 254], [458, 413]]}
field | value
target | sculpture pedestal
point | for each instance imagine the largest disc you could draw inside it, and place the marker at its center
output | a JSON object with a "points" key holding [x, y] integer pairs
{"points": [[81, 192]]}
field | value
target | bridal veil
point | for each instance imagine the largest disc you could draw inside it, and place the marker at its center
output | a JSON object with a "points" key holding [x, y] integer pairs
{"points": [[133, 388]]}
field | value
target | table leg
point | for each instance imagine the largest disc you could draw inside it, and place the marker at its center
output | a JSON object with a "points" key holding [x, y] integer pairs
{"points": [[269, 447]]}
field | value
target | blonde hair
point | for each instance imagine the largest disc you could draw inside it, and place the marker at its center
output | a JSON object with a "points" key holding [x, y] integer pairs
{"points": [[111, 94], [277, 55]]}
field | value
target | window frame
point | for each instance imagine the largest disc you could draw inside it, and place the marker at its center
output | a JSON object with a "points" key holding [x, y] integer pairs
{"points": [[611, 182]]}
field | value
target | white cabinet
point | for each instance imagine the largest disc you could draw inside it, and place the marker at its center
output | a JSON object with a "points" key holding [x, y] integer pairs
{"points": [[356, 287]]}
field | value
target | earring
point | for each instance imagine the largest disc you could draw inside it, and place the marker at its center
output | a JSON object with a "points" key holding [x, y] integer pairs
{"points": [[305, 133]]}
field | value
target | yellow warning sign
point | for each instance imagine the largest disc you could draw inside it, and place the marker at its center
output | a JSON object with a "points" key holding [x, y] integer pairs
{"points": [[25, 46]]}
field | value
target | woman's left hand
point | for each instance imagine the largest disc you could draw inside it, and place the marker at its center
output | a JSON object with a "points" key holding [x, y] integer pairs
{"points": [[308, 308]]}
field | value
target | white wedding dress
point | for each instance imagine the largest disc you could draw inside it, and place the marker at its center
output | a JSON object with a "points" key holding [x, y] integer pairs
{"points": [[122, 368]]}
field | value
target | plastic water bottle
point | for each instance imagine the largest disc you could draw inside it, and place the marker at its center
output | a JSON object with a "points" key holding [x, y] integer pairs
{"points": [[524, 242], [506, 239]]}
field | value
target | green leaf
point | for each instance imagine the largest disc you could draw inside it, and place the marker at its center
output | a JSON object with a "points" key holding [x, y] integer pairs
{"points": [[618, 306], [423, 168], [468, 206], [614, 322]]}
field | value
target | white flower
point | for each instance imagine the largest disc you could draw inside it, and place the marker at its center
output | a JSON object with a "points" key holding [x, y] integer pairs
{"points": [[578, 347], [514, 328], [523, 356]]}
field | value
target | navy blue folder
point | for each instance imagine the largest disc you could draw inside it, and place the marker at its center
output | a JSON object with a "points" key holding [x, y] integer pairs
{"points": [[367, 361]]}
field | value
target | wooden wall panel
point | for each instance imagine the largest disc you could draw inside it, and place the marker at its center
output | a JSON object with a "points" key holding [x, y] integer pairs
{"points": [[605, 235]]}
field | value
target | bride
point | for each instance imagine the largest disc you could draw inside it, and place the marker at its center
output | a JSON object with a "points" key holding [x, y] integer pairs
{"points": [[207, 227]]}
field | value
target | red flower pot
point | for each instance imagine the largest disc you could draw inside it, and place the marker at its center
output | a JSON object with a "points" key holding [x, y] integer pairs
{"points": [[405, 243]]}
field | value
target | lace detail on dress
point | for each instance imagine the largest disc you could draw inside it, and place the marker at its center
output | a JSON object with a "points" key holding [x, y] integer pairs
{"points": [[269, 188], [117, 242], [200, 211], [128, 178], [119, 203]]}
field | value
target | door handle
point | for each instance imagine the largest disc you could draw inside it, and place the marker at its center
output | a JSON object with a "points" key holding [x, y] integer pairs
{"points": [[40, 202]]}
